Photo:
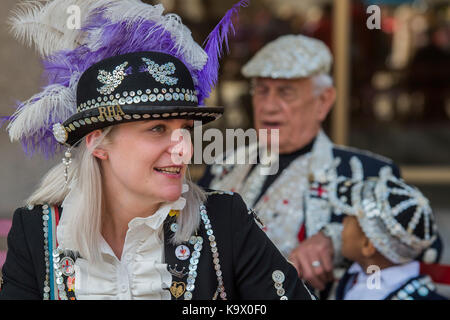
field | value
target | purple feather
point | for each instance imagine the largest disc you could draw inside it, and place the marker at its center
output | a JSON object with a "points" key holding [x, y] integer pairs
{"points": [[4, 119], [214, 47]]}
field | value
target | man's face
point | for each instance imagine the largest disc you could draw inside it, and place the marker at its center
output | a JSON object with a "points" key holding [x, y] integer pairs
{"points": [[290, 106]]}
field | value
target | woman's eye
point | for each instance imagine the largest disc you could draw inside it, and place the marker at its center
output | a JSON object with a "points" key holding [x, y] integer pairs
{"points": [[158, 128], [189, 128]]}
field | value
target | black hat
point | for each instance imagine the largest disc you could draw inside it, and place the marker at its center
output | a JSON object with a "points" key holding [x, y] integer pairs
{"points": [[131, 87]]}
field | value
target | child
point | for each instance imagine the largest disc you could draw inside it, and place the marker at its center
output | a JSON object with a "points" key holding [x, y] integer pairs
{"points": [[388, 225]]}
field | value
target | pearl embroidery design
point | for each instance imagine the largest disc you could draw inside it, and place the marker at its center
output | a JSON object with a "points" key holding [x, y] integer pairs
{"points": [[160, 72], [111, 80]]}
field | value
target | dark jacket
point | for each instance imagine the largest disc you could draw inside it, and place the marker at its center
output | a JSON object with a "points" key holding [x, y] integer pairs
{"points": [[248, 258]]}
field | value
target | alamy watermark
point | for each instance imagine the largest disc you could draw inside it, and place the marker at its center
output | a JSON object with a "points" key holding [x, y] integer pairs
{"points": [[266, 153], [373, 281], [73, 22], [374, 20]]}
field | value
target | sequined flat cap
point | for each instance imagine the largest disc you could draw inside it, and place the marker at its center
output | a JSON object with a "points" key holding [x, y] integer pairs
{"points": [[290, 57], [131, 87]]}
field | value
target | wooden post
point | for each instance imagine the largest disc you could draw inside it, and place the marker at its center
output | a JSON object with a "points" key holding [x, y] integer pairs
{"points": [[341, 47]]}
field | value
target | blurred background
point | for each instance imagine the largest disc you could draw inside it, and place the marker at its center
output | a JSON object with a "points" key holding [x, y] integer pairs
{"points": [[393, 84]]}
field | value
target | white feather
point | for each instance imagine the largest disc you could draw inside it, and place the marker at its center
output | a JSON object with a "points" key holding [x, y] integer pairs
{"points": [[45, 23], [190, 50], [133, 11], [43, 109]]}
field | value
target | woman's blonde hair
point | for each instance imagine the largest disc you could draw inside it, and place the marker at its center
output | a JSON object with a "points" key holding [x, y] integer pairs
{"points": [[83, 226]]}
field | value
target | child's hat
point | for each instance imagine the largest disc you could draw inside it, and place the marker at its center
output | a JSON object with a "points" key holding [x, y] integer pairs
{"points": [[396, 217]]}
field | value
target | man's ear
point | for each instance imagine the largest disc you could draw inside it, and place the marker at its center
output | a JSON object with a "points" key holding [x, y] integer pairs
{"points": [[326, 98], [368, 249], [90, 142]]}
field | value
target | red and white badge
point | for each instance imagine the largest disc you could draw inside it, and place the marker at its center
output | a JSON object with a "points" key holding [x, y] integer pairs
{"points": [[182, 252], [67, 266]]}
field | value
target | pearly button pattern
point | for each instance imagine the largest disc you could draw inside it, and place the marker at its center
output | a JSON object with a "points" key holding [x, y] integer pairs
{"points": [[132, 97], [278, 278]]}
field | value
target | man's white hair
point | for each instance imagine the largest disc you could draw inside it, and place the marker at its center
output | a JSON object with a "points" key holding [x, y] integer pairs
{"points": [[321, 82]]}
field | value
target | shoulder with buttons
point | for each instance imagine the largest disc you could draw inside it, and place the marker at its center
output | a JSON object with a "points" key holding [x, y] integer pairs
{"points": [[31, 215], [278, 278], [216, 198], [38, 208], [343, 151], [257, 219], [415, 289], [218, 192]]}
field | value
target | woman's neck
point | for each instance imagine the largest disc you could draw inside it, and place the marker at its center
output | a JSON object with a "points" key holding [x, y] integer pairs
{"points": [[118, 210]]}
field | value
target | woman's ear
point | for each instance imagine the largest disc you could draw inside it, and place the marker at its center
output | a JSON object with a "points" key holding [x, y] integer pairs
{"points": [[368, 250], [98, 152]]}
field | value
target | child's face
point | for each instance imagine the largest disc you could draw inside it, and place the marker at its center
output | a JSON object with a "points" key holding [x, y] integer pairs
{"points": [[353, 239]]}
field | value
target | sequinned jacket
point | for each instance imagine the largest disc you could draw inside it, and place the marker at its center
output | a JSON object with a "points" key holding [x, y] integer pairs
{"points": [[294, 206], [250, 266]]}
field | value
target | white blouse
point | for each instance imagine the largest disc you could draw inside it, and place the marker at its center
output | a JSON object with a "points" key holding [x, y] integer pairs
{"points": [[140, 273]]}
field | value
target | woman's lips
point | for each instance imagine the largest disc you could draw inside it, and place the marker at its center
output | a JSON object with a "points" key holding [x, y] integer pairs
{"points": [[171, 171]]}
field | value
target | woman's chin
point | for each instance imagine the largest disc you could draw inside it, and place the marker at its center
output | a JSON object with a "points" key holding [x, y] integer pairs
{"points": [[170, 194], [173, 198], [167, 189]]}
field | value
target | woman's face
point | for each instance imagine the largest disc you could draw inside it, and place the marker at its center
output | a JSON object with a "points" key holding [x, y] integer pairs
{"points": [[143, 159]]}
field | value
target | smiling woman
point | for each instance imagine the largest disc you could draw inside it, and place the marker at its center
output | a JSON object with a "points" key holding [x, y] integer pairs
{"points": [[118, 218]]}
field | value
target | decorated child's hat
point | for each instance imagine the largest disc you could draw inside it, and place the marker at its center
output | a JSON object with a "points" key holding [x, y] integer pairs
{"points": [[395, 216]]}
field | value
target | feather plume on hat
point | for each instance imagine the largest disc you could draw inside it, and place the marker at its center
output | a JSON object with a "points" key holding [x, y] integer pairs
{"points": [[108, 28]]}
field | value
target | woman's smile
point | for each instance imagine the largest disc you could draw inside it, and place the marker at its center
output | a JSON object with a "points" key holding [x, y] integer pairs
{"points": [[174, 172]]}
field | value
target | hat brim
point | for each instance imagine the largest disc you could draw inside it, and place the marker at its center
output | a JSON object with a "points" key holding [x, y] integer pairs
{"points": [[82, 123]]}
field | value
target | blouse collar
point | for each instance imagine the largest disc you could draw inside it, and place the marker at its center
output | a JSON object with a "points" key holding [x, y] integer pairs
{"points": [[156, 220], [153, 221]]}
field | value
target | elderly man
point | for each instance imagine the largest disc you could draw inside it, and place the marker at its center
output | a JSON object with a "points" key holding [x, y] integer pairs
{"points": [[292, 91]]}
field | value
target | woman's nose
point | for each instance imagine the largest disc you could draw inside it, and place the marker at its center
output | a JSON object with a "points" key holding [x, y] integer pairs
{"points": [[180, 147]]}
